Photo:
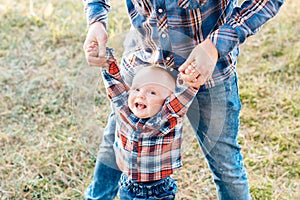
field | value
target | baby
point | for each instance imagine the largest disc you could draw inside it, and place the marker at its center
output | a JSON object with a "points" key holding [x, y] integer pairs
{"points": [[148, 137]]}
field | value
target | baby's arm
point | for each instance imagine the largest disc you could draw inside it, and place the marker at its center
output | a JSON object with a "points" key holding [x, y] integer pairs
{"points": [[179, 102], [111, 67], [115, 86]]}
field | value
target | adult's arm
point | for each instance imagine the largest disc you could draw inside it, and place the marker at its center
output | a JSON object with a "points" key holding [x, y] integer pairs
{"points": [[96, 15], [244, 21], [96, 11]]}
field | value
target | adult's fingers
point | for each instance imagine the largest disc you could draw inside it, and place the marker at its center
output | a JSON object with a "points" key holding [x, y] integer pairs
{"points": [[188, 77], [199, 81], [96, 61]]}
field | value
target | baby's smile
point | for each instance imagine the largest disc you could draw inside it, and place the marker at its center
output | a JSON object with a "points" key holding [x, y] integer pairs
{"points": [[140, 106]]}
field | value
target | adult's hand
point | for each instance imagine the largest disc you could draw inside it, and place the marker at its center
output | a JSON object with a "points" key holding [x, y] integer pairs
{"points": [[96, 35], [200, 64]]}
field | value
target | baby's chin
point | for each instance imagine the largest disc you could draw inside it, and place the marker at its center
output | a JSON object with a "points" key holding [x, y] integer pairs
{"points": [[142, 115], [146, 112]]}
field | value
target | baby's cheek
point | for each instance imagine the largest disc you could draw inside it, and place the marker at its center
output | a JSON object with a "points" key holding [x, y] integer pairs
{"points": [[130, 104], [156, 107]]}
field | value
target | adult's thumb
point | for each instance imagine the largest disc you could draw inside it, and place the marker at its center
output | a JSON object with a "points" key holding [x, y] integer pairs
{"points": [[102, 50], [102, 41]]}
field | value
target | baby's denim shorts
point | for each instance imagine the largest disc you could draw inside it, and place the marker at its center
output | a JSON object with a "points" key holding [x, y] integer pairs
{"points": [[164, 189]]}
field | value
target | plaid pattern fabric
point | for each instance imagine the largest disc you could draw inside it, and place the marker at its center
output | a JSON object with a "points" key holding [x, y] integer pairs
{"points": [[147, 149], [168, 30]]}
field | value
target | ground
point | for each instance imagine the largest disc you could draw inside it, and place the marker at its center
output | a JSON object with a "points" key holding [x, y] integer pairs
{"points": [[53, 106]]}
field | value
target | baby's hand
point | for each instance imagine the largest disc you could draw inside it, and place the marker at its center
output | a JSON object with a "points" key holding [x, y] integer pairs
{"points": [[93, 50], [190, 71]]}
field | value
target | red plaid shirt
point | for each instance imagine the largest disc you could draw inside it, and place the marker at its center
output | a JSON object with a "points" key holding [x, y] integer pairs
{"points": [[147, 149]]}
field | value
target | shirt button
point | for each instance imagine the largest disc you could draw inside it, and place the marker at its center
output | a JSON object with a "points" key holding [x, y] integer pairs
{"points": [[163, 35], [160, 10]]}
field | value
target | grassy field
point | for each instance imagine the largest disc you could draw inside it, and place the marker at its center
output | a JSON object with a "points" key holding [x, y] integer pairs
{"points": [[53, 107]]}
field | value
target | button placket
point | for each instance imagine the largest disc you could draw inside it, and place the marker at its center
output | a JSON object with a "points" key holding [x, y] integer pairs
{"points": [[165, 43]]}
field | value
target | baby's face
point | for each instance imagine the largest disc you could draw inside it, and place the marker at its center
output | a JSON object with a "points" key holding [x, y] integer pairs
{"points": [[147, 100]]}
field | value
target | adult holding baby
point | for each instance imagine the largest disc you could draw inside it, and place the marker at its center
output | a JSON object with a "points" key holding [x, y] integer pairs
{"points": [[183, 35]]}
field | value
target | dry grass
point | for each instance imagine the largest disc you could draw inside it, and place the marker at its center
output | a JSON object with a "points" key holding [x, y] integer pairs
{"points": [[53, 107]]}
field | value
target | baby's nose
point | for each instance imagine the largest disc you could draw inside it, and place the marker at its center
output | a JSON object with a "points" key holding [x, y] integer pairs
{"points": [[141, 94]]}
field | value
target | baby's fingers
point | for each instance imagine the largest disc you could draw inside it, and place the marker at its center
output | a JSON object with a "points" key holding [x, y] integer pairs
{"points": [[190, 70]]}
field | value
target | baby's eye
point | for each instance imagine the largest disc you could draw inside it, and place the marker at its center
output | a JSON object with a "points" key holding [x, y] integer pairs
{"points": [[152, 92], [136, 89]]}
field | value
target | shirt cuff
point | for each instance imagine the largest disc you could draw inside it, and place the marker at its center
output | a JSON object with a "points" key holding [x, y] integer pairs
{"points": [[97, 12], [226, 39]]}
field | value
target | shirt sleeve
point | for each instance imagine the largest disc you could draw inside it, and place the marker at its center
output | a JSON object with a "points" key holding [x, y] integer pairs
{"points": [[96, 11], [117, 91], [116, 88], [244, 21], [179, 102]]}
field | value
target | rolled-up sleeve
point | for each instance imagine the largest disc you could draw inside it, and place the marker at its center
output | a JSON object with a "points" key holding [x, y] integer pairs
{"points": [[243, 22], [96, 11]]}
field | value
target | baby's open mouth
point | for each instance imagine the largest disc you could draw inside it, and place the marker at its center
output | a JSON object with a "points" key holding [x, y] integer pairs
{"points": [[140, 106]]}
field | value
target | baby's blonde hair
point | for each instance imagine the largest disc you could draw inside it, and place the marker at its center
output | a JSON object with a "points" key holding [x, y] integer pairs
{"points": [[166, 80]]}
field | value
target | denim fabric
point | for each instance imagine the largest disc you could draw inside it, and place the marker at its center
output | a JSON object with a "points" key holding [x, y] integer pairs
{"points": [[105, 183], [106, 173], [164, 189], [214, 116]]}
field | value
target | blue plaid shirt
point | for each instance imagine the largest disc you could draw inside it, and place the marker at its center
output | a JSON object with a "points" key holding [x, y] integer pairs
{"points": [[166, 31]]}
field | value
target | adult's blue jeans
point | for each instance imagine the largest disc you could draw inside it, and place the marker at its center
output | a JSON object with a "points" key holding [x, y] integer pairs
{"points": [[214, 116], [106, 174]]}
